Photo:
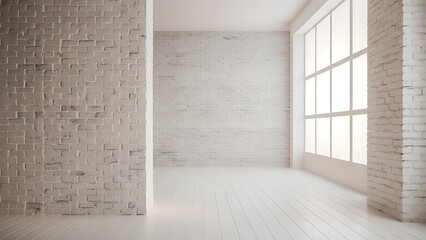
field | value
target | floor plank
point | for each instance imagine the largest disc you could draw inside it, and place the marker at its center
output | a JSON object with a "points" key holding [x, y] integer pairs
{"points": [[196, 226], [277, 230], [32, 228], [212, 227], [229, 204], [44, 228], [227, 222], [62, 226], [242, 223]]}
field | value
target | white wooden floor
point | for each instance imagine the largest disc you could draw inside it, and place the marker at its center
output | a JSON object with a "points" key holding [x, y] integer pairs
{"points": [[229, 203]]}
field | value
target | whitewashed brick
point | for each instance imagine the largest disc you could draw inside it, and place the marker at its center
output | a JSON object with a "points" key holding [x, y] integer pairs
{"points": [[396, 124], [63, 63], [221, 98]]}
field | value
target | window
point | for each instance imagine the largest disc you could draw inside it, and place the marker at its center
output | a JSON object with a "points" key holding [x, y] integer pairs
{"points": [[336, 84]]}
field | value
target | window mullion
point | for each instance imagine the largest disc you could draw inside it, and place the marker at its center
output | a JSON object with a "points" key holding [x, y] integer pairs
{"points": [[330, 68], [316, 87]]}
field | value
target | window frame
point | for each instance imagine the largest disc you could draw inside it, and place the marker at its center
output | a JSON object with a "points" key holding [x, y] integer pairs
{"points": [[349, 59]]}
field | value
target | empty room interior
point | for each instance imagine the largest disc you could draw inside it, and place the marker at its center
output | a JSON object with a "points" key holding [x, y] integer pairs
{"points": [[213, 119]]}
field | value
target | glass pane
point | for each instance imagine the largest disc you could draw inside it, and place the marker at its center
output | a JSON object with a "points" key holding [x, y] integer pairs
{"points": [[359, 25], [341, 88], [359, 138], [310, 135], [310, 96], [323, 43], [323, 136], [340, 32], [323, 93], [310, 52], [341, 137], [359, 82]]}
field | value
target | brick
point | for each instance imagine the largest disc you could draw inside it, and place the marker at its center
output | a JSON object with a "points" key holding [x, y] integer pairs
{"points": [[396, 124], [218, 114], [58, 82]]}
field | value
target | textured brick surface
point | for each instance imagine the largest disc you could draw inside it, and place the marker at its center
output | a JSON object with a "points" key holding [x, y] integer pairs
{"points": [[72, 112], [221, 98], [414, 111], [384, 167], [396, 115]]}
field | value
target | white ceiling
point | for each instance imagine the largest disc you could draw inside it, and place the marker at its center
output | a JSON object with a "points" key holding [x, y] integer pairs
{"points": [[225, 15]]}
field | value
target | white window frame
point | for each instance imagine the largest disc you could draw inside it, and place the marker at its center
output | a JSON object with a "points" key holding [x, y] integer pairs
{"points": [[352, 56]]}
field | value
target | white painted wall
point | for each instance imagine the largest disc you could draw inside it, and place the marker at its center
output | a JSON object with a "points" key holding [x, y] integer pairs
{"points": [[149, 68], [352, 175]]}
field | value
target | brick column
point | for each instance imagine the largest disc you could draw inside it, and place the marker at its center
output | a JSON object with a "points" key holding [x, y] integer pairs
{"points": [[397, 108], [73, 103]]}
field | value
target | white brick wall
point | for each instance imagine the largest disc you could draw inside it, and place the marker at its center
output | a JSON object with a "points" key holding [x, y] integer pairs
{"points": [[384, 168], [72, 112], [414, 111], [221, 98], [396, 115]]}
